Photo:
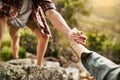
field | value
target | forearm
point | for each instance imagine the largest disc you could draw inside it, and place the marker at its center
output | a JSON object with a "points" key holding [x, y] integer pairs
{"points": [[58, 22]]}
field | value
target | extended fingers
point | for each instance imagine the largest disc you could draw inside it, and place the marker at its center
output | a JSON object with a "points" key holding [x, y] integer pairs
{"points": [[79, 37], [86, 76]]}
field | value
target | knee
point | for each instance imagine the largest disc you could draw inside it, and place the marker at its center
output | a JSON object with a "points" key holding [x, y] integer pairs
{"points": [[44, 37]]}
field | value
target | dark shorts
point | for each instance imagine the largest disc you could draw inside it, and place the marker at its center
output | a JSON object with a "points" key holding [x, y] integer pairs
{"points": [[30, 24]]}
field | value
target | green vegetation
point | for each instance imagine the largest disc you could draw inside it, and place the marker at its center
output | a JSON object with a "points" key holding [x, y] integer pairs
{"points": [[100, 43], [28, 41], [68, 9], [7, 54]]}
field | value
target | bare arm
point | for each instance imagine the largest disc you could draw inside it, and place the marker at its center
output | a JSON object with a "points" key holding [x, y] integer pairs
{"points": [[58, 22]]}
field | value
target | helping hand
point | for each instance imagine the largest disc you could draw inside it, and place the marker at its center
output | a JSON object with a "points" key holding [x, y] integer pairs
{"points": [[78, 36]]}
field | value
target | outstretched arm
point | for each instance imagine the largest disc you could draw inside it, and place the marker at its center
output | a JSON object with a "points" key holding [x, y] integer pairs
{"points": [[59, 23]]}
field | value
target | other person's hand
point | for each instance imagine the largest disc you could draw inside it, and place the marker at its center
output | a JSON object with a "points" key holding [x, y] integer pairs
{"points": [[86, 76], [78, 36]]}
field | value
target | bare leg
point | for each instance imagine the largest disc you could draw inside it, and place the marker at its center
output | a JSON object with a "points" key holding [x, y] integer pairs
{"points": [[15, 37], [2, 26], [41, 45]]}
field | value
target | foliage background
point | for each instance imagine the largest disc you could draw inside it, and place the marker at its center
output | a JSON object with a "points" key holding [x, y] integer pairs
{"points": [[100, 20]]}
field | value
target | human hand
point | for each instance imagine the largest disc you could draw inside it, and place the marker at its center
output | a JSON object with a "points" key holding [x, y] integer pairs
{"points": [[86, 76], [77, 40], [78, 36]]}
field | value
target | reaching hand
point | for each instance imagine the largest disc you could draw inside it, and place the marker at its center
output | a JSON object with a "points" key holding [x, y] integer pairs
{"points": [[78, 36], [86, 76]]}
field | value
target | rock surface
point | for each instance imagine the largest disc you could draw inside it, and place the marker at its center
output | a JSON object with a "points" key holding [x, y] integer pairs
{"points": [[25, 69]]}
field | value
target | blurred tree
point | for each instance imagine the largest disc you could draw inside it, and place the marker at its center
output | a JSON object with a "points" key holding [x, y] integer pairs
{"points": [[68, 9], [99, 42], [28, 41]]}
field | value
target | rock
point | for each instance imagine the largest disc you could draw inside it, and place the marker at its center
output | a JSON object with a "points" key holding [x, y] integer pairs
{"points": [[73, 73], [12, 72], [25, 69]]}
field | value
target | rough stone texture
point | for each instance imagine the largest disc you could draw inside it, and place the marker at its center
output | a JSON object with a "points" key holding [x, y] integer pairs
{"points": [[19, 70], [26, 69], [12, 72]]}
